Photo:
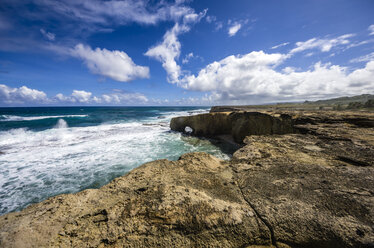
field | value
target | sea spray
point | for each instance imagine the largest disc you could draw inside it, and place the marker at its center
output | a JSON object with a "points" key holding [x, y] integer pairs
{"points": [[61, 123]]}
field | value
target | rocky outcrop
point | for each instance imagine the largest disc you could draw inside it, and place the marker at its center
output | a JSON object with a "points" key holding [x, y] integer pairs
{"points": [[312, 189], [237, 124], [306, 192], [192, 202], [267, 122]]}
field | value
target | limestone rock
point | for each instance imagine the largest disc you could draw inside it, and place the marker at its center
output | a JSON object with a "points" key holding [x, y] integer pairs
{"points": [[237, 124], [192, 202], [306, 193]]}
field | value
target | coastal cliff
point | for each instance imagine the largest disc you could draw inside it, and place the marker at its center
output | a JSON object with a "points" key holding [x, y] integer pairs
{"points": [[237, 124], [299, 180]]}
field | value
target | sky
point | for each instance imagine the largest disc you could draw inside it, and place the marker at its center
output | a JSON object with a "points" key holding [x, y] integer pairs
{"points": [[182, 52]]}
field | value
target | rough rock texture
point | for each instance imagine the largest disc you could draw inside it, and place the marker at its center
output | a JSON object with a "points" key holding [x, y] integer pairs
{"points": [[241, 123], [311, 189], [237, 124], [307, 194], [190, 202]]}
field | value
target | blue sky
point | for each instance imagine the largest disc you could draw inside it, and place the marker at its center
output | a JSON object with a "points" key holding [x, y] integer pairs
{"points": [[128, 52]]}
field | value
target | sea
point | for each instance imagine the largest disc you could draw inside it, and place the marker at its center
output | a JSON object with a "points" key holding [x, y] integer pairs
{"points": [[46, 151]]}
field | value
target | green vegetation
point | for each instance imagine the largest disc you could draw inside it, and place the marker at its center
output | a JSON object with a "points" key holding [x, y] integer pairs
{"points": [[364, 102]]}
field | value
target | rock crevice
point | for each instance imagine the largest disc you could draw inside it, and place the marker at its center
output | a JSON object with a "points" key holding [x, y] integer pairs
{"points": [[266, 223]]}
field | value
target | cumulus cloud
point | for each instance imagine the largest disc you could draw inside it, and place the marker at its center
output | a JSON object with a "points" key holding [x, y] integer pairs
{"points": [[115, 98], [25, 96], [9, 95], [119, 97], [81, 95], [253, 77], [228, 73], [48, 35], [371, 29], [234, 28], [168, 51], [324, 45], [116, 65], [78, 96]]}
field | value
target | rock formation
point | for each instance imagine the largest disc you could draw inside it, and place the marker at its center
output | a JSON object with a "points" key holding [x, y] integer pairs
{"points": [[312, 188], [237, 124]]}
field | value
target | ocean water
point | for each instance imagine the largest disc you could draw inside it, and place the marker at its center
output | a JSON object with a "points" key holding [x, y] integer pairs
{"points": [[52, 150]]}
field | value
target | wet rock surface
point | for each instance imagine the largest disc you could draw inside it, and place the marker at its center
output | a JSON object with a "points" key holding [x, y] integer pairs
{"points": [[310, 188]]}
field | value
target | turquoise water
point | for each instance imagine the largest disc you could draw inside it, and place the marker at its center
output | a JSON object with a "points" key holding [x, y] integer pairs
{"points": [[53, 150]]}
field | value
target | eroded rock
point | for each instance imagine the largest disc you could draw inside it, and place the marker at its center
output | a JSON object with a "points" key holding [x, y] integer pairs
{"points": [[305, 192], [186, 203], [237, 124]]}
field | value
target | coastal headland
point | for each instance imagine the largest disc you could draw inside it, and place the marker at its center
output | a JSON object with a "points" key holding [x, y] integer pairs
{"points": [[300, 178]]}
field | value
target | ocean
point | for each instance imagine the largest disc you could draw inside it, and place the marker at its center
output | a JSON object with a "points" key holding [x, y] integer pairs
{"points": [[48, 151]]}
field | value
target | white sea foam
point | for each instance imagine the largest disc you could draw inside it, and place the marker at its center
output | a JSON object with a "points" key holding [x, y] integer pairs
{"points": [[32, 118], [61, 123], [37, 165]]}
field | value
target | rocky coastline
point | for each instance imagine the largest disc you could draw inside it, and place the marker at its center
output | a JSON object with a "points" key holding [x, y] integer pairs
{"points": [[299, 179]]}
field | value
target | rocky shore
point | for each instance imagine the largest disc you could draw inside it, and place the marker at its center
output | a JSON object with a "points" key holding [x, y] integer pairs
{"points": [[300, 179]]}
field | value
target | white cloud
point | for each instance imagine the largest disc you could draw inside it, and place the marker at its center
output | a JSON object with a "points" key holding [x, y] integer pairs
{"points": [[187, 58], [78, 96], [116, 65], [219, 25], [356, 44], [112, 11], [280, 45], [211, 19], [324, 45], [81, 96], [228, 73], [21, 95], [168, 51], [234, 29], [78, 19], [24, 96], [117, 97], [364, 58], [371, 29], [253, 78], [48, 35]]}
